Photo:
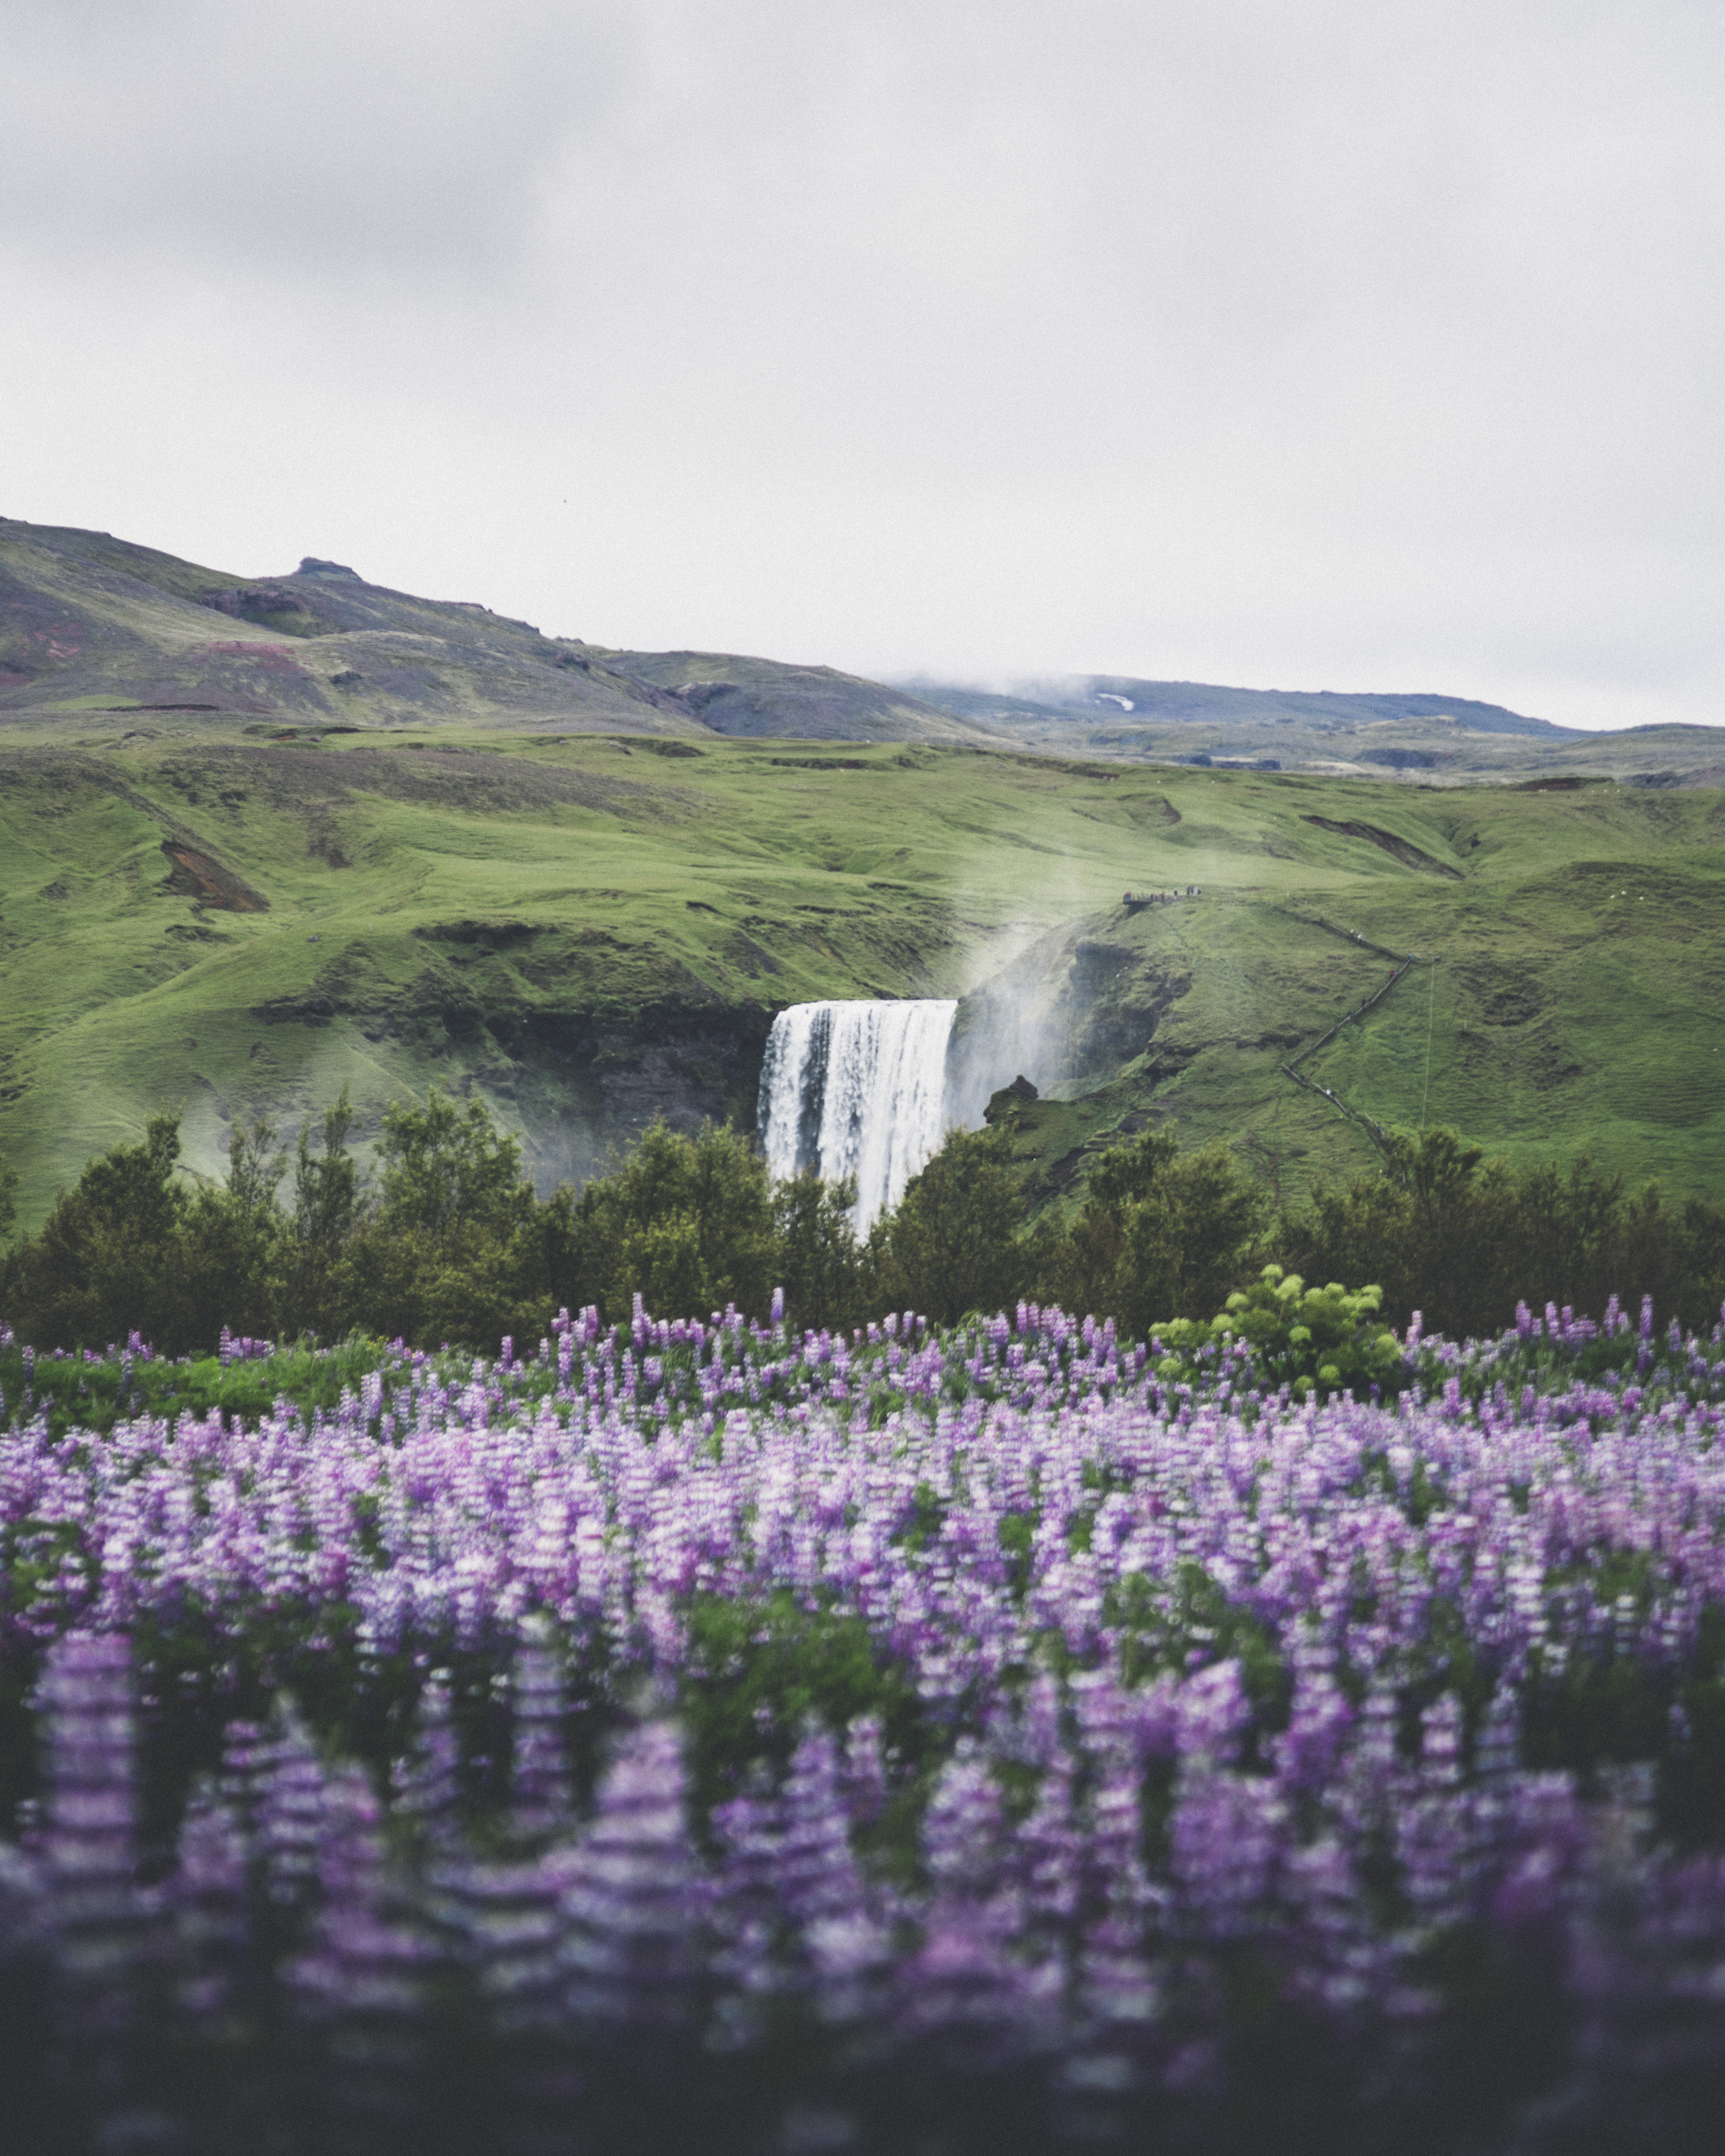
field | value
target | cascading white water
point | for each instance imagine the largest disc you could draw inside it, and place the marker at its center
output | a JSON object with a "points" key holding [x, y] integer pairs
{"points": [[857, 1089]]}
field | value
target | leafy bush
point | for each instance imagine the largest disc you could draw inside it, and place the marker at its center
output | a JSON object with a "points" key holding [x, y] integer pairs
{"points": [[1279, 1332]]}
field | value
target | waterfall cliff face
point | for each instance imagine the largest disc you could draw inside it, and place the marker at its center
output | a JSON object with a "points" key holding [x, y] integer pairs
{"points": [[857, 1089]]}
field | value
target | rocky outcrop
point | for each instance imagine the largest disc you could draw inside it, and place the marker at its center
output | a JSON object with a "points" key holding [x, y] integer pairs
{"points": [[581, 1080], [267, 606]]}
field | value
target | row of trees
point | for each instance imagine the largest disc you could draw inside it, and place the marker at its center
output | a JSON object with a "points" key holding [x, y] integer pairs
{"points": [[441, 1239], [1443, 1229]]}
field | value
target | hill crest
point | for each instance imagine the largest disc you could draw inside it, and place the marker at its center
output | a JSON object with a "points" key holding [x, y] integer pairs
{"points": [[96, 631]]}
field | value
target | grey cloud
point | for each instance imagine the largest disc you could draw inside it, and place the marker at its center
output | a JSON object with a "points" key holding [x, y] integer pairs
{"points": [[1354, 345], [325, 134]]}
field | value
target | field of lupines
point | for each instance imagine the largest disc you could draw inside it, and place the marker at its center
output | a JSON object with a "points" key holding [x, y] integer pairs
{"points": [[700, 1736]]}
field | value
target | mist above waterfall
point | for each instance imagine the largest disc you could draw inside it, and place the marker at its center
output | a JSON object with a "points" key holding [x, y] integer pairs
{"points": [[1016, 1021], [857, 1089]]}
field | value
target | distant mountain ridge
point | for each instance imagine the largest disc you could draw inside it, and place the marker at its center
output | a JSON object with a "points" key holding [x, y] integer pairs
{"points": [[1365, 733], [1209, 701], [120, 641]]}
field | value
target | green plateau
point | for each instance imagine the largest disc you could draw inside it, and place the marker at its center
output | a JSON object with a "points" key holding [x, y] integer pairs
{"points": [[231, 881]]}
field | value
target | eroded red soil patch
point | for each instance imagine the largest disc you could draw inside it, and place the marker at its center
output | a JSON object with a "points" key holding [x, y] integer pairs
{"points": [[199, 877]]}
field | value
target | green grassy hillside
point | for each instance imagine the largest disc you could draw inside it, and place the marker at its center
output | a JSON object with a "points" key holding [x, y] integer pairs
{"points": [[592, 929]]}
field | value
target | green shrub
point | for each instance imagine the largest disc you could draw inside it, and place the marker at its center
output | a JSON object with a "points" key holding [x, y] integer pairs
{"points": [[1314, 1340]]}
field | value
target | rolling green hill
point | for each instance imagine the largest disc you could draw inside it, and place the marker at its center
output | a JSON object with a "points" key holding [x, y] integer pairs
{"points": [[592, 927]]}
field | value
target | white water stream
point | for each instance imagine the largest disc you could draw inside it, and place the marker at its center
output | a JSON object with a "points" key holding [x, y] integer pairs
{"points": [[857, 1089]]}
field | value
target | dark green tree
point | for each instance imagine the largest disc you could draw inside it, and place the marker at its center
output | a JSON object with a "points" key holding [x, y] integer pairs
{"points": [[110, 1259], [822, 1268], [1161, 1234], [233, 1238], [1461, 1238], [685, 1223], [445, 1249], [446, 1167], [314, 1284], [953, 1245]]}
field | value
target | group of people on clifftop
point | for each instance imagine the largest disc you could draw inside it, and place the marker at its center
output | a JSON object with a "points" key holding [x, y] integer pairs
{"points": [[1136, 898]]}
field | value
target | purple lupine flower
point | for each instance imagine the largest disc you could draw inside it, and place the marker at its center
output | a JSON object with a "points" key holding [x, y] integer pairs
{"points": [[508, 1921], [1433, 1836], [1319, 1719], [633, 1903], [288, 1806], [1648, 1942], [748, 1924], [1116, 1881], [964, 1834], [359, 1985], [242, 1759], [1051, 1859], [818, 1876], [794, 1904], [1333, 1953], [1212, 1714], [539, 1784], [21, 1902], [1226, 1836], [207, 1907], [863, 1778], [94, 1914], [964, 1999], [1118, 2041], [1548, 1835]]}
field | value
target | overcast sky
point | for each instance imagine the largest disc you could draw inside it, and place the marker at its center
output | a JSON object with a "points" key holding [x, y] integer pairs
{"points": [[1348, 344]]}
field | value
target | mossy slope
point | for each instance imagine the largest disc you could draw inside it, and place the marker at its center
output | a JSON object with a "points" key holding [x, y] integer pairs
{"points": [[593, 929]]}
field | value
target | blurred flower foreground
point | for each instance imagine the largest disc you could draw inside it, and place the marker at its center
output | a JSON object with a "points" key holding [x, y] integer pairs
{"points": [[698, 1737]]}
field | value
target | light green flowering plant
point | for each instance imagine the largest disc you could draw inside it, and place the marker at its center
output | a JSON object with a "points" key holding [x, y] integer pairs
{"points": [[1279, 1332]]}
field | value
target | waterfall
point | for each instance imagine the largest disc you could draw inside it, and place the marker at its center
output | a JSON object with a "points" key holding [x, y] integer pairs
{"points": [[857, 1089]]}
